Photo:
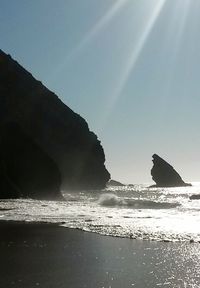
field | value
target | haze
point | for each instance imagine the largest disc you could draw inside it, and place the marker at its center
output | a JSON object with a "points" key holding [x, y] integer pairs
{"points": [[130, 68]]}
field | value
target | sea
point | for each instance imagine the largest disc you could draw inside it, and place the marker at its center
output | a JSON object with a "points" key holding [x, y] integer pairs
{"points": [[136, 212]]}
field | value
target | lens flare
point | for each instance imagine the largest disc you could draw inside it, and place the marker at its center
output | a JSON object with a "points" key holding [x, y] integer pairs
{"points": [[98, 27], [133, 57], [175, 34]]}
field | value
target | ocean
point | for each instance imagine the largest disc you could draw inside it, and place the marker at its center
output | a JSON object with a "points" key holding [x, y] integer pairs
{"points": [[137, 212]]}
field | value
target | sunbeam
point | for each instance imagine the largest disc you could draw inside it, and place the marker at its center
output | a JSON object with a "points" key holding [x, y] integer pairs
{"points": [[98, 27], [132, 59], [101, 24], [184, 7], [176, 29]]}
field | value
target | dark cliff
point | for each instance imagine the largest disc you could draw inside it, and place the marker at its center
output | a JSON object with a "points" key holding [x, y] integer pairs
{"points": [[61, 133], [164, 174], [25, 169]]}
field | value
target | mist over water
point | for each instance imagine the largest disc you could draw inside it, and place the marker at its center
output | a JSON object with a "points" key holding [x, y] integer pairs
{"points": [[138, 212]]}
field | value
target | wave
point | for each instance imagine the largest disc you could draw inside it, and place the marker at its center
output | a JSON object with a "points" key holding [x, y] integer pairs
{"points": [[111, 200]]}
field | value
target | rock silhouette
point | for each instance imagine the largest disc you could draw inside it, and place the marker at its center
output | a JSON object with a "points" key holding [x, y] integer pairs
{"points": [[114, 183], [26, 170], [60, 132], [195, 197], [164, 174]]}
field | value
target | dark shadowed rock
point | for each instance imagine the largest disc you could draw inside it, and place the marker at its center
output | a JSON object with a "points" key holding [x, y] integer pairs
{"points": [[8, 189], [195, 197], [164, 174], [26, 170], [61, 133]]}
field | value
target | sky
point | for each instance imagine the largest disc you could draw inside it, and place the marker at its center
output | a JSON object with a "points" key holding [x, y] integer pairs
{"points": [[129, 67]]}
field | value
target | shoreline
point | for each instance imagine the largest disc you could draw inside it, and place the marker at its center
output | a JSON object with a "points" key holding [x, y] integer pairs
{"points": [[48, 255], [4, 222]]}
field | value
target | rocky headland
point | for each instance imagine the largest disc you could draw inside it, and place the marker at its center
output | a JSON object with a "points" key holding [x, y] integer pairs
{"points": [[26, 170], [164, 174], [51, 134]]}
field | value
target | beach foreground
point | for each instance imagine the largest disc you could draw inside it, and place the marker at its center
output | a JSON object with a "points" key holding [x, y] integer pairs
{"points": [[43, 255]]}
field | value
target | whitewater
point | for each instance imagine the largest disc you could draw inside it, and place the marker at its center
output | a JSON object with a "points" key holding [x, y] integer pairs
{"points": [[136, 212]]}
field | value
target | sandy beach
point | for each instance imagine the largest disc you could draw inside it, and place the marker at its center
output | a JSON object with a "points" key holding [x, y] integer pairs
{"points": [[43, 255]]}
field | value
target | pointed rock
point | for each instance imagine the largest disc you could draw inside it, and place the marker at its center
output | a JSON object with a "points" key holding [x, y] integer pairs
{"points": [[164, 174]]}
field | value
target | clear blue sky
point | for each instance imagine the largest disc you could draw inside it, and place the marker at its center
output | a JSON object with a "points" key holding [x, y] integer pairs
{"points": [[131, 68]]}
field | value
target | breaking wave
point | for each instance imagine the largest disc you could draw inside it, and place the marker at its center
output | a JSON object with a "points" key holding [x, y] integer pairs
{"points": [[131, 212], [111, 200]]}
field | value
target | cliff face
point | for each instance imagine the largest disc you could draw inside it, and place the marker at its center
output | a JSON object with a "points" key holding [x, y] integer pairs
{"points": [[26, 170], [61, 133], [164, 174]]}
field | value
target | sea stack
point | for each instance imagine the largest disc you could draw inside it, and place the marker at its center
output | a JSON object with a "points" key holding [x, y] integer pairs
{"points": [[53, 127], [164, 174]]}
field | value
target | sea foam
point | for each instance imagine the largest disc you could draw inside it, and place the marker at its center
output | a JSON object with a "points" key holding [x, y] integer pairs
{"points": [[111, 200], [151, 214]]}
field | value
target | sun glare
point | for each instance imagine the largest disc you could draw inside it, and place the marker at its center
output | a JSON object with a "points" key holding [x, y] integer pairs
{"points": [[175, 34], [98, 27], [134, 56], [150, 12]]}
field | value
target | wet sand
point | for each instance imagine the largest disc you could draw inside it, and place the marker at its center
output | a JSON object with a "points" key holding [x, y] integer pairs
{"points": [[49, 256]]}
